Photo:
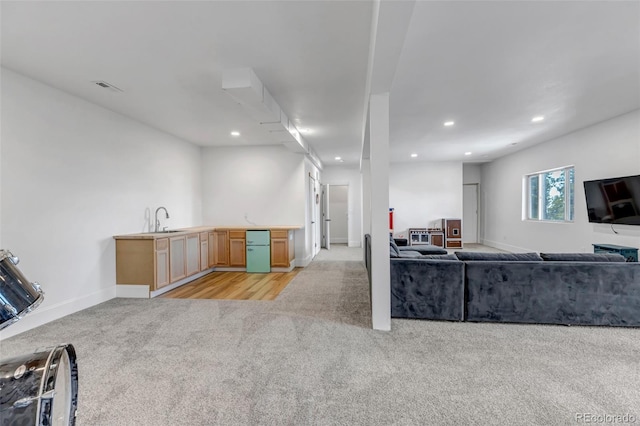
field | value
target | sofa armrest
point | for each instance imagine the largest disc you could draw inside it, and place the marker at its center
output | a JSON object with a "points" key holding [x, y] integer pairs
{"points": [[427, 288]]}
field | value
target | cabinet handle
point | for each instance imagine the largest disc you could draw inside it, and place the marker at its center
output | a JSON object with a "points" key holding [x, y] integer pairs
{"points": [[249, 249]]}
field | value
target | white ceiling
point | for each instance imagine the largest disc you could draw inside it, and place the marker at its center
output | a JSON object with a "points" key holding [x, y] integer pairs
{"points": [[489, 66]]}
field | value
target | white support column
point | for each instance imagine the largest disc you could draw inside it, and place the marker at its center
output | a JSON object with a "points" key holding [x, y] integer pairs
{"points": [[366, 197], [379, 162]]}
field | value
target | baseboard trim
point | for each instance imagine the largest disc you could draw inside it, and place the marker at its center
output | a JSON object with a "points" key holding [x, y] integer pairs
{"points": [[339, 240], [179, 283], [280, 269], [134, 291], [506, 247], [354, 243], [45, 314], [304, 262]]}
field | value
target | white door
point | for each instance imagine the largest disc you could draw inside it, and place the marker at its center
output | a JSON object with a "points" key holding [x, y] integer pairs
{"points": [[326, 217], [470, 213], [315, 229], [339, 201], [317, 213]]}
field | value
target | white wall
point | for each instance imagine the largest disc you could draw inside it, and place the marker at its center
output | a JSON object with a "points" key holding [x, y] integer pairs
{"points": [[75, 174], [263, 184], [257, 185], [471, 173], [336, 175], [607, 149], [423, 192]]}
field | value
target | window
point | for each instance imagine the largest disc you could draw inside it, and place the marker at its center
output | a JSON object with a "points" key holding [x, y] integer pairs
{"points": [[549, 195]]}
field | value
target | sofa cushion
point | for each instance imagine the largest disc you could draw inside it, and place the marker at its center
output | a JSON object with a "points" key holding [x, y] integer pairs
{"points": [[406, 254], [499, 257], [424, 249], [401, 242], [582, 257], [394, 247], [439, 256]]}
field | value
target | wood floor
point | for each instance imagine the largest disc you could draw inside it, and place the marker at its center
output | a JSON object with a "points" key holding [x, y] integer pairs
{"points": [[234, 285]]}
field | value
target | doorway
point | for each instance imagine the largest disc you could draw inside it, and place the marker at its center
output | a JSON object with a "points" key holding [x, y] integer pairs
{"points": [[470, 213], [315, 230], [335, 215]]}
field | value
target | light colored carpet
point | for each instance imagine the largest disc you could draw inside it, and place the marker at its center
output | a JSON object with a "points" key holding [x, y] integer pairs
{"points": [[340, 252], [310, 358]]}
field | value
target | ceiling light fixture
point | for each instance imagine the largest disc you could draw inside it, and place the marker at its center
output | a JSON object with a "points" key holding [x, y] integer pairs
{"points": [[306, 131], [338, 158], [414, 155], [468, 153], [449, 123], [537, 119], [235, 133]]}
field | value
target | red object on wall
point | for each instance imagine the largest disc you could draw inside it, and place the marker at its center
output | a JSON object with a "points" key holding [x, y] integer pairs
{"points": [[390, 219]]}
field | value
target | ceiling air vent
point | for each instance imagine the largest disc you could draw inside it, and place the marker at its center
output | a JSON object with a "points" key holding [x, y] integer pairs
{"points": [[108, 86]]}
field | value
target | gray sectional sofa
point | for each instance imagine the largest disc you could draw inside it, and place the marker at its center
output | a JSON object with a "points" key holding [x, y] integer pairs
{"points": [[553, 288], [597, 290]]}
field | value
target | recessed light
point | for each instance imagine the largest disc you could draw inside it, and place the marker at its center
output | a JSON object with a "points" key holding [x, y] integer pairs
{"points": [[468, 153], [537, 119], [338, 158], [414, 155], [449, 123], [235, 133], [306, 131]]}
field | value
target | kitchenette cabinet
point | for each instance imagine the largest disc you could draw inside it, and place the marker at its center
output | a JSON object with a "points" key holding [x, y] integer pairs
{"points": [[282, 248], [220, 248], [204, 251], [163, 260], [177, 262], [192, 258], [237, 248]]}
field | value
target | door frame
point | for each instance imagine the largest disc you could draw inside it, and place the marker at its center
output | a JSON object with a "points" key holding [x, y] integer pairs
{"points": [[325, 211]]}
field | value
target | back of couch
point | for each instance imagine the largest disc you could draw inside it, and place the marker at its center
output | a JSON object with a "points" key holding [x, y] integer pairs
{"points": [[367, 257], [592, 293]]}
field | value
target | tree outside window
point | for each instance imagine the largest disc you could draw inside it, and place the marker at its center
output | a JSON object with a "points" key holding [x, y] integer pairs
{"points": [[550, 195]]}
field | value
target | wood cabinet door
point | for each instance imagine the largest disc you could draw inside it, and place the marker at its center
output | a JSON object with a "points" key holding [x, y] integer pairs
{"points": [[162, 263], [204, 254], [437, 240], [220, 248], [193, 254], [211, 247], [237, 252], [280, 252], [453, 228], [177, 253]]}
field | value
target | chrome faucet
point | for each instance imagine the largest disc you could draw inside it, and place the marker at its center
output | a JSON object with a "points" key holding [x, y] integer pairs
{"points": [[158, 221]]}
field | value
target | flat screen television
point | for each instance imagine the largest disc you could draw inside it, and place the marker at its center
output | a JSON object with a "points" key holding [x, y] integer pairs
{"points": [[614, 200]]}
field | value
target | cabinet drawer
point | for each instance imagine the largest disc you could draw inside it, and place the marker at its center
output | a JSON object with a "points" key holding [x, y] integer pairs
{"points": [[279, 234], [454, 243], [162, 244], [237, 234]]}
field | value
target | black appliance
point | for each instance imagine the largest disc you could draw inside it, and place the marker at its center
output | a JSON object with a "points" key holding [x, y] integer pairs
{"points": [[614, 200]]}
